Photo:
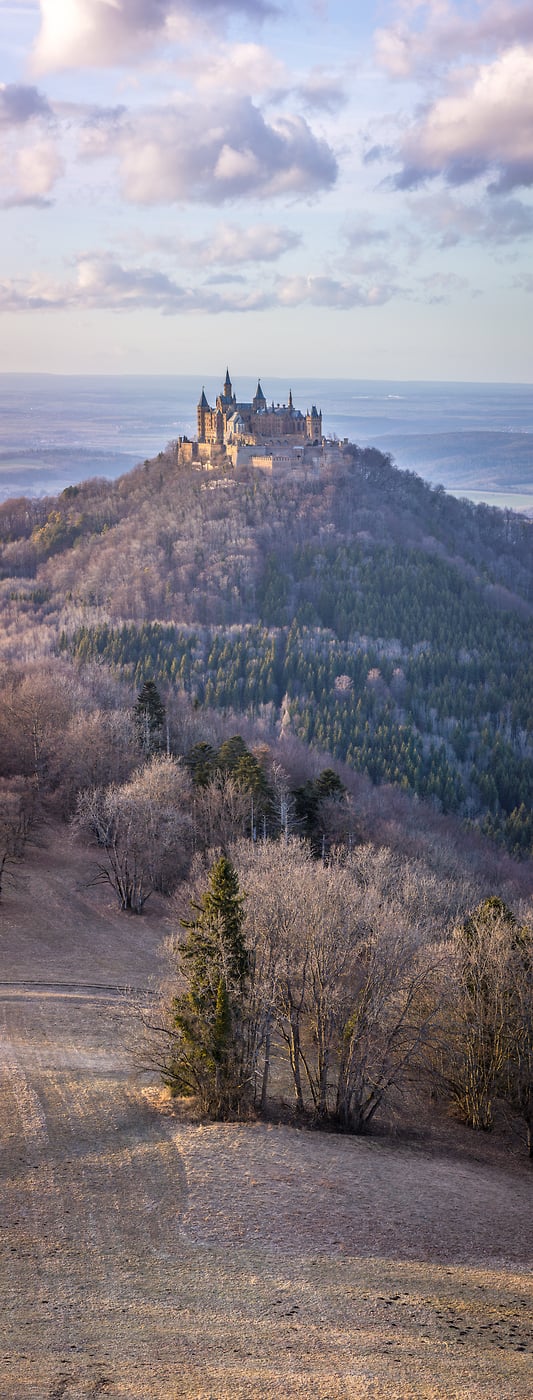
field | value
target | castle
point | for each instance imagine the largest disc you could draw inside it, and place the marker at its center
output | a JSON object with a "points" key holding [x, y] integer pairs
{"points": [[254, 422], [270, 436]]}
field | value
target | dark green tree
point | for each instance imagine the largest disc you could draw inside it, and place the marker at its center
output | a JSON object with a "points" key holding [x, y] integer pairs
{"points": [[150, 715], [308, 799], [211, 1054], [201, 762], [230, 753]]}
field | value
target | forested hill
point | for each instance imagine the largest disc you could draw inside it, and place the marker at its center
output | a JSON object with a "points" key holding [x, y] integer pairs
{"points": [[375, 616]]}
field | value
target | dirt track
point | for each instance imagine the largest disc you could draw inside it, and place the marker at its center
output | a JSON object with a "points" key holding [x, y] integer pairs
{"points": [[149, 1258]]}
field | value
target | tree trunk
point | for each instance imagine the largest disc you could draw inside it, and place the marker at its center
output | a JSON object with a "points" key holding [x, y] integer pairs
{"points": [[294, 1055], [266, 1065]]}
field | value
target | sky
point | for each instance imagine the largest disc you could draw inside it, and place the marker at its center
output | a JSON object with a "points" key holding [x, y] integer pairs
{"points": [[313, 187]]}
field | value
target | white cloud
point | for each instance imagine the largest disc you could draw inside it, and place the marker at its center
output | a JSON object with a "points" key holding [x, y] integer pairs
{"points": [[232, 246], [191, 152], [239, 68], [485, 127], [237, 167], [429, 35], [29, 173], [103, 283], [327, 291], [97, 33]]}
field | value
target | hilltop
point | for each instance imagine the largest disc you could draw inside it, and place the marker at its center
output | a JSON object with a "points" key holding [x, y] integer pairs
{"points": [[358, 608]]}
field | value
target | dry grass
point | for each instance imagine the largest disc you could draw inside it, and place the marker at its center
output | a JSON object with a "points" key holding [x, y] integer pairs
{"points": [[152, 1258]]}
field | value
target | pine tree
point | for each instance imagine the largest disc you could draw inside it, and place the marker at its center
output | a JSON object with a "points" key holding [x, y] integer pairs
{"points": [[211, 1052], [150, 715]]}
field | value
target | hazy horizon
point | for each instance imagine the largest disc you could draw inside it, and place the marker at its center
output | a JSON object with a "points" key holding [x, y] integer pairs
{"points": [[477, 440]]}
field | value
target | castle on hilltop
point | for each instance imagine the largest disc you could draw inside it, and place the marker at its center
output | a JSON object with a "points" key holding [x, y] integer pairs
{"points": [[252, 423], [274, 437]]}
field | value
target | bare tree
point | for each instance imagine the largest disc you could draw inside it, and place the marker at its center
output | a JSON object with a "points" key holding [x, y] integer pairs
{"points": [[391, 1018], [478, 1002], [222, 813], [35, 710], [348, 979], [97, 747], [143, 829]]}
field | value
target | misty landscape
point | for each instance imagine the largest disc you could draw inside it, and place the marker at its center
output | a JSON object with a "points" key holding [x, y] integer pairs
{"points": [[476, 440]]}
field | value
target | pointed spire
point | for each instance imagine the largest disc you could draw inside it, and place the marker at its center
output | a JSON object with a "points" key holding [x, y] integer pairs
{"points": [[227, 385], [290, 398], [203, 401], [259, 392]]}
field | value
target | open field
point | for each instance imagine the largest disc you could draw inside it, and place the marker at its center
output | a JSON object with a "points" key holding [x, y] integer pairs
{"points": [[150, 1258]]}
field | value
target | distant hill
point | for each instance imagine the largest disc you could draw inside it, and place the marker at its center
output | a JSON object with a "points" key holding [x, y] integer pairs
{"points": [[470, 461], [362, 609]]}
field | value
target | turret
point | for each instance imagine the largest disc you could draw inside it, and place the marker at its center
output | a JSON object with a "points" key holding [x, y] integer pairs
{"points": [[203, 408], [228, 391], [313, 424], [259, 402]]}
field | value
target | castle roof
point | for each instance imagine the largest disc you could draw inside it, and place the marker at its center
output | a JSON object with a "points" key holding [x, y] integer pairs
{"points": [[259, 392], [203, 401]]}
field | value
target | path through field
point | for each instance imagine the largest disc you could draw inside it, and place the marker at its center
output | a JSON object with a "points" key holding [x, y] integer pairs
{"points": [[147, 1258]]}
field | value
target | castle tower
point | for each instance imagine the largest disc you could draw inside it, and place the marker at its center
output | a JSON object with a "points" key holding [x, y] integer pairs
{"points": [[228, 391], [259, 402], [313, 424], [203, 408]]}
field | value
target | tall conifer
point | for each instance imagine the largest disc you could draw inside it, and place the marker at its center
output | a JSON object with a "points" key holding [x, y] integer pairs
{"points": [[210, 1058]]}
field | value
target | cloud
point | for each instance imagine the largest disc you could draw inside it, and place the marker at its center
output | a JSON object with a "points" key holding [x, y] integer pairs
{"points": [[362, 234], [226, 278], [30, 174], [232, 246], [524, 283], [191, 152], [238, 68], [252, 67], [485, 127], [440, 287], [326, 291], [19, 104], [103, 283], [493, 221], [99, 33], [430, 35], [28, 169], [322, 92]]}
